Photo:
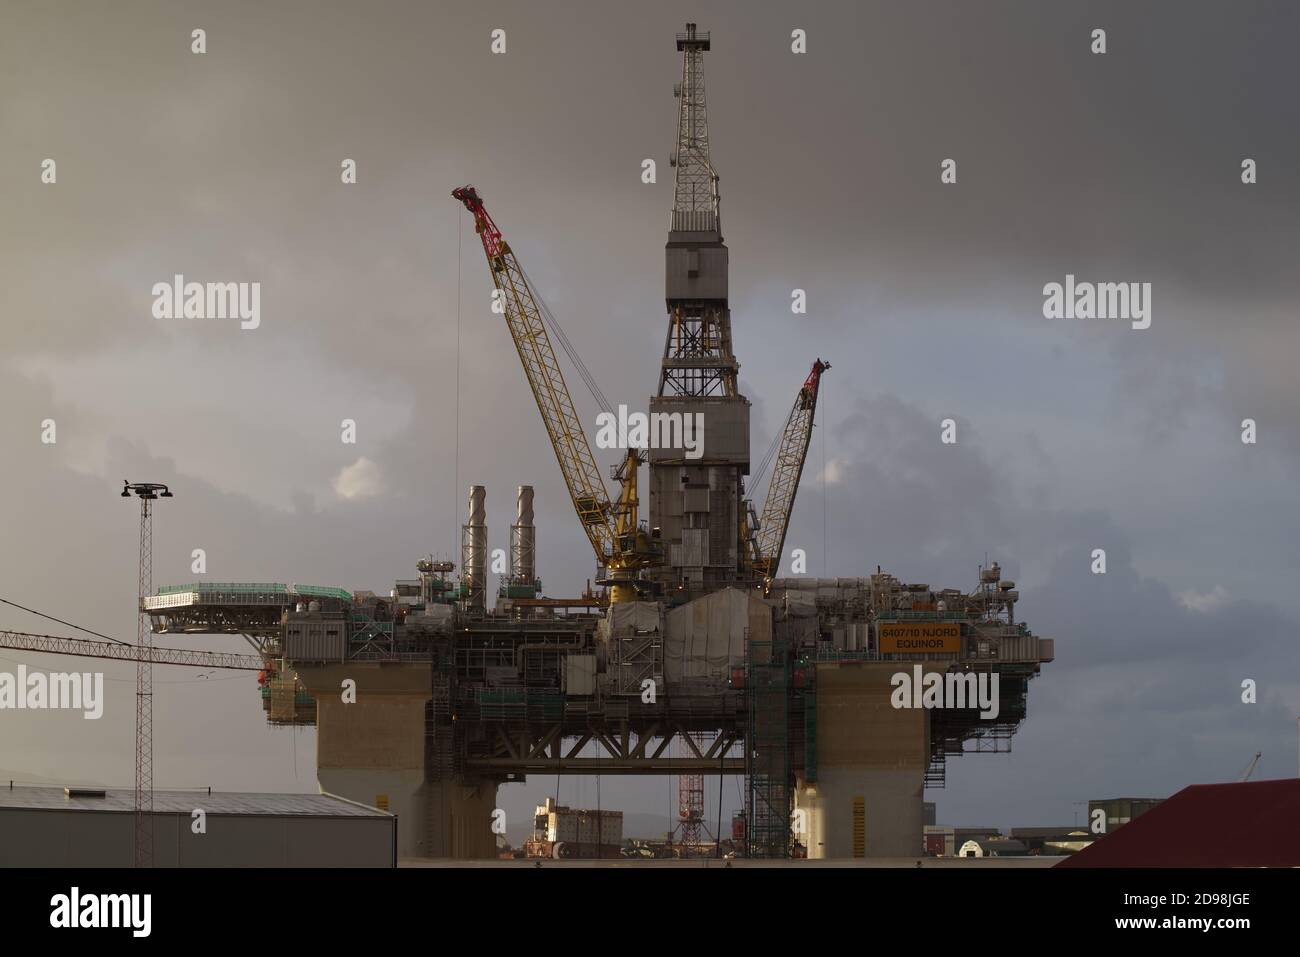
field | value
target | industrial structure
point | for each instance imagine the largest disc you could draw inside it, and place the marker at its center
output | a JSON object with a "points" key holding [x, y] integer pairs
{"points": [[148, 493], [95, 827], [693, 657], [561, 833]]}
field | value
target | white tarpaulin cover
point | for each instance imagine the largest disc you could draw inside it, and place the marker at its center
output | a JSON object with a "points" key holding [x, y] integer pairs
{"points": [[630, 617], [703, 638]]}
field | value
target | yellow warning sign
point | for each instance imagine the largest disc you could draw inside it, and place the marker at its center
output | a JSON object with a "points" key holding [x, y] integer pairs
{"points": [[925, 637]]}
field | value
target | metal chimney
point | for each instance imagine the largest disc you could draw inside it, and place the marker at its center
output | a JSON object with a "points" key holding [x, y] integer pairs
{"points": [[473, 552], [523, 539]]}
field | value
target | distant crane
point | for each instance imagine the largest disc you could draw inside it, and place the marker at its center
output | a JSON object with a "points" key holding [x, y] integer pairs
{"points": [[121, 651], [620, 544], [1250, 768], [766, 544]]}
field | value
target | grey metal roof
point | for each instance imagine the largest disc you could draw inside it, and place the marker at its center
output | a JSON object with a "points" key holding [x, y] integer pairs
{"points": [[185, 802]]}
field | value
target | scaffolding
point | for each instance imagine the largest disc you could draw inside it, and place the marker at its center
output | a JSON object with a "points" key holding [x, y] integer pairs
{"points": [[810, 732], [767, 748], [440, 743], [286, 701]]}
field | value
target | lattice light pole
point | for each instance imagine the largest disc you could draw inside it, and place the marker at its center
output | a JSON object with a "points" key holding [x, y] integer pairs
{"points": [[148, 492], [690, 811]]}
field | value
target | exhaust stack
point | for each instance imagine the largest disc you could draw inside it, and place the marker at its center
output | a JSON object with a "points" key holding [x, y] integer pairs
{"points": [[473, 553], [523, 539]]}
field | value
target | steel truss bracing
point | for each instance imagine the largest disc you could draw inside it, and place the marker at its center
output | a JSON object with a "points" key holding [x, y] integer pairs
{"points": [[54, 645], [209, 620], [148, 493], [690, 810], [698, 360], [553, 749], [698, 357], [542, 369], [954, 732], [612, 527], [144, 698], [786, 471], [695, 192]]}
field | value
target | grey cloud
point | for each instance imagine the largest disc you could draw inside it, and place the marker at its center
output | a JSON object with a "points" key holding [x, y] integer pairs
{"points": [[226, 167]]}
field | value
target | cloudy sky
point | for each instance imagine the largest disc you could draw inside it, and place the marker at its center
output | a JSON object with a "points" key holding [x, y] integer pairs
{"points": [[927, 298]]}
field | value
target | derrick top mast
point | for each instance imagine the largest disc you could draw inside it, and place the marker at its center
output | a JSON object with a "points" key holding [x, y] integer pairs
{"points": [[695, 191], [698, 358], [697, 502]]}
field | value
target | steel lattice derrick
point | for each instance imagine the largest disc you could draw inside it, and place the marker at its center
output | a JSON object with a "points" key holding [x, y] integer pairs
{"points": [[695, 191], [697, 356]]}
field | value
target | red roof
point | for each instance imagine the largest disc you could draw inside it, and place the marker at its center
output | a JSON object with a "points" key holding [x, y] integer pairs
{"points": [[1255, 824]]}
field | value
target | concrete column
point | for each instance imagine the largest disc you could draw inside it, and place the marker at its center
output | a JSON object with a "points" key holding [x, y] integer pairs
{"points": [[868, 752], [374, 750], [460, 819]]}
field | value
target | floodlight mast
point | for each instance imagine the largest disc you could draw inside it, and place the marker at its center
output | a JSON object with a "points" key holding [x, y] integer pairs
{"points": [[148, 493]]}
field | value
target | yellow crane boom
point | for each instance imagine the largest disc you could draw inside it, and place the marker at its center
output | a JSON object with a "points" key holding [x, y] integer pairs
{"points": [[618, 542]]}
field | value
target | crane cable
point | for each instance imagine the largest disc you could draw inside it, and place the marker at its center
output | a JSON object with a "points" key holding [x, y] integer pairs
{"points": [[569, 349], [767, 458], [62, 622], [456, 467]]}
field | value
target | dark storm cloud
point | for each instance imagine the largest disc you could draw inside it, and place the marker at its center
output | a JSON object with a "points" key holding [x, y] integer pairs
{"points": [[926, 297], [1144, 694]]}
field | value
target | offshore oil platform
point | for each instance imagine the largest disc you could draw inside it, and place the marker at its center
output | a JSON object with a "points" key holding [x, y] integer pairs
{"points": [[692, 656]]}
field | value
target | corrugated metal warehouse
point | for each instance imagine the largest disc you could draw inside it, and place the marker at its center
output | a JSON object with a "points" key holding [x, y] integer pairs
{"points": [[86, 827]]}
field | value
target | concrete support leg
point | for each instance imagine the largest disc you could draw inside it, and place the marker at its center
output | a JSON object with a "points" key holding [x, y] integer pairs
{"points": [[460, 819], [871, 759], [373, 751]]}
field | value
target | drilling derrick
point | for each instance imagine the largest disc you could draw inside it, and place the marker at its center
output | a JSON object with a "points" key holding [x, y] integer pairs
{"points": [[696, 495]]}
